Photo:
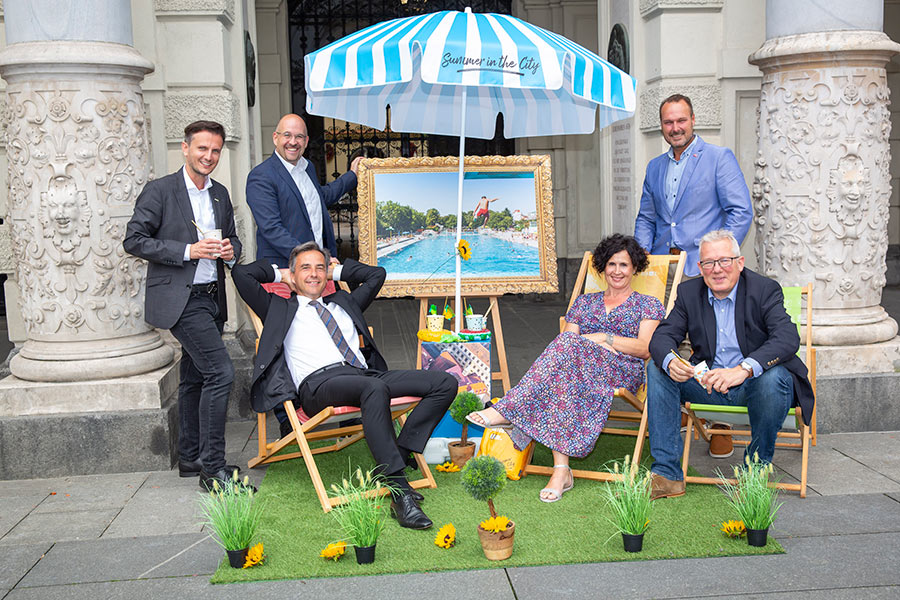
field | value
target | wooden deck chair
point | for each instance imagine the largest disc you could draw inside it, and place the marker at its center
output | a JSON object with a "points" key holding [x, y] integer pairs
{"points": [[321, 426], [651, 281], [794, 433]]}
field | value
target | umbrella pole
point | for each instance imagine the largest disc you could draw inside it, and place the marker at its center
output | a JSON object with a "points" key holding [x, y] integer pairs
{"points": [[462, 152]]}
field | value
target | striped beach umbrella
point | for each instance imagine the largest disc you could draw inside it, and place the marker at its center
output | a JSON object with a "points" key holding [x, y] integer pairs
{"points": [[543, 83], [451, 73]]}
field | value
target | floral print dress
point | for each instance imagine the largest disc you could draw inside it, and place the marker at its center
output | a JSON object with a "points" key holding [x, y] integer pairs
{"points": [[563, 400]]}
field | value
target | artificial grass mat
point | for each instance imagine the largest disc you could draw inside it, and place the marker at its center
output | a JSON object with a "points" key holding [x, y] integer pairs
{"points": [[574, 530]]}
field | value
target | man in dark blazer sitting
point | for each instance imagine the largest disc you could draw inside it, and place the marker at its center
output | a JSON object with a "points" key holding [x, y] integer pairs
{"points": [[309, 351], [173, 228], [738, 325]]}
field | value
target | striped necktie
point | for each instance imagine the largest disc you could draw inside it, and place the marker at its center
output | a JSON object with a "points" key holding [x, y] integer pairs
{"points": [[336, 336]]}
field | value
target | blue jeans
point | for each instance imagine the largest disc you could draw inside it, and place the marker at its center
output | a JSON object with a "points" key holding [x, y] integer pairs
{"points": [[767, 398], [206, 378]]}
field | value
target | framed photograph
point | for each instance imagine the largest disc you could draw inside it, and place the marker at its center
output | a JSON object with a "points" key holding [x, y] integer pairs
{"points": [[407, 224]]}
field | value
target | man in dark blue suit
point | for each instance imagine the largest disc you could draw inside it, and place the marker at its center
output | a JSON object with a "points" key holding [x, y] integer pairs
{"points": [[738, 326], [288, 204]]}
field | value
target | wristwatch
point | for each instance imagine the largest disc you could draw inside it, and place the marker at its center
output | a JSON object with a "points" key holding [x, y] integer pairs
{"points": [[609, 339], [747, 367]]}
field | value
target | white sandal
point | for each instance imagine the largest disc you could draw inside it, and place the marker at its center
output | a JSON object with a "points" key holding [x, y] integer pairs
{"points": [[557, 494], [485, 422]]}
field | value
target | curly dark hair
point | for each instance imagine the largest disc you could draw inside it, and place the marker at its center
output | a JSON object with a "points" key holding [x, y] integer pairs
{"points": [[616, 243]]}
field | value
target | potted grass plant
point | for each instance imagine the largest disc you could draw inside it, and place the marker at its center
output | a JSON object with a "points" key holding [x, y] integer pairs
{"points": [[753, 497], [463, 405], [628, 498], [233, 512], [361, 515], [483, 478]]}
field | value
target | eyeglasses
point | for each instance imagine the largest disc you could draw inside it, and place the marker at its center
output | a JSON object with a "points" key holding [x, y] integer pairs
{"points": [[724, 262], [292, 136]]}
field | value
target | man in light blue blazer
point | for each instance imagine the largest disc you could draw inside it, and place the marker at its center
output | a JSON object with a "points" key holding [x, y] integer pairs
{"points": [[288, 203], [690, 190]]}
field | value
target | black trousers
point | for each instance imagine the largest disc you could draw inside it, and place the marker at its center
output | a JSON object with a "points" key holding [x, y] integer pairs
{"points": [[372, 391], [206, 378]]}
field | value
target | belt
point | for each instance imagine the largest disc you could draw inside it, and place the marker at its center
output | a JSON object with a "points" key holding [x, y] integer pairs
{"points": [[205, 288], [675, 251], [324, 369], [336, 365]]}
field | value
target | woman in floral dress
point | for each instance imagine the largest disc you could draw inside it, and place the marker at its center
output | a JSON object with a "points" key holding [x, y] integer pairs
{"points": [[564, 398]]}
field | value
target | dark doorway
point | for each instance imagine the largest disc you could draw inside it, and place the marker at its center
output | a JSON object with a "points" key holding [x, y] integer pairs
{"points": [[316, 23]]}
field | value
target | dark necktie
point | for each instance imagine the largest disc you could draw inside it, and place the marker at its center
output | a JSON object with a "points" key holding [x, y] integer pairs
{"points": [[336, 336]]}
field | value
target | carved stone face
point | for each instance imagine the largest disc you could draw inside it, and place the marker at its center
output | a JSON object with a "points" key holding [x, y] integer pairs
{"points": [[62, 206], [850, 187]]}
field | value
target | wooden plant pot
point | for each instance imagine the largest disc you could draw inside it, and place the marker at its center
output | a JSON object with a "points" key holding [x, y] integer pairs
{"points": [[499, 545], [459, 454]]}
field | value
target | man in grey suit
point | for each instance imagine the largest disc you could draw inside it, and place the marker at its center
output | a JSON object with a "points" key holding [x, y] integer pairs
{"points": [[183, 225]]}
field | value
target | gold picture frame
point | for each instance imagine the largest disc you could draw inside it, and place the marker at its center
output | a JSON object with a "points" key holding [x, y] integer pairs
{"points": [[405, 222]]}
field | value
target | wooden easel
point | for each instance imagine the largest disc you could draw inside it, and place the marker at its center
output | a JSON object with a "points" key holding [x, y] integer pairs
{"points": [[497, 338]]}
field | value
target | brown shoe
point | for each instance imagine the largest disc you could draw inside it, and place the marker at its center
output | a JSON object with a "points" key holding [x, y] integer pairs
{"points": [[720, 446], [660, 487]]}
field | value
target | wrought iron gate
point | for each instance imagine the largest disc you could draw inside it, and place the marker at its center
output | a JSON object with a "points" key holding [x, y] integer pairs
{"points": [[333, 143]]}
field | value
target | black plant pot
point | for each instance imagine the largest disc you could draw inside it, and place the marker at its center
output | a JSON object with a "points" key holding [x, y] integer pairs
{"points": [[365, 554], [237, 558], [757, 537], [633, 543]]}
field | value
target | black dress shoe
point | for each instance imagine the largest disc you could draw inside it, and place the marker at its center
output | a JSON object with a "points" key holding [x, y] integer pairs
{"points": [[408, 514], [192, 468], [416, 496], [224, 477]]}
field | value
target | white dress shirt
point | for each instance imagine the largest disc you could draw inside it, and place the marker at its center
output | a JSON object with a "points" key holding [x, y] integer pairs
{"points": [[308, 345], [201, 205], [309, 193]]}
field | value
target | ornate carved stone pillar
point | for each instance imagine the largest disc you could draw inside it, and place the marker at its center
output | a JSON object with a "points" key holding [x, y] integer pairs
{"points": [[822, 182], [78, 155]]}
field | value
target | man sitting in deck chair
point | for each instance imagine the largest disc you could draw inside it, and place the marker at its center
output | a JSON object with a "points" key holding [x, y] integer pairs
{"points": [[739, 327], [309, 352]]}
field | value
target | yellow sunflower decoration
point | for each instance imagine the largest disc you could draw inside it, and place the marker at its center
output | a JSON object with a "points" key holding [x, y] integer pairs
{"points": [[495, 524], [447, 467], [734, 529], [333, 551], [446, 536], [465, 252], [255, 556]]}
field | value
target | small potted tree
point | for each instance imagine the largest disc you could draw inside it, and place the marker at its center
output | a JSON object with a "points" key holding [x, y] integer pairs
{"points": [[483, 478], [628, 497], [464, 404], [232, 512], [753, 498], [361, 516]]}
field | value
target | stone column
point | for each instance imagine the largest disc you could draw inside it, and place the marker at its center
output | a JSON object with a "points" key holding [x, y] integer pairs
{"points": [[822, 184], [78, 155]]}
